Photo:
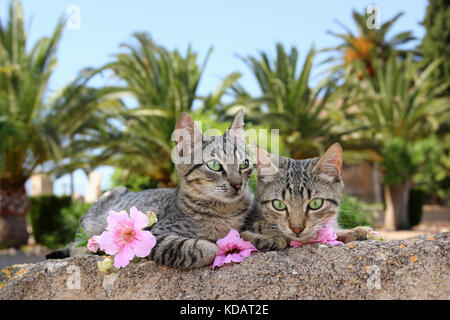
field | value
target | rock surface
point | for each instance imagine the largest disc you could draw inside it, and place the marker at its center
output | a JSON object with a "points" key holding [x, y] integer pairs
{"points": [[416, 268]]}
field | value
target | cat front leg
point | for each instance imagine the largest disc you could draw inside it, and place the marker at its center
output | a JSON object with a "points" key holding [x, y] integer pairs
{"points": [[265, 242], [358, 234], [180, 252]]}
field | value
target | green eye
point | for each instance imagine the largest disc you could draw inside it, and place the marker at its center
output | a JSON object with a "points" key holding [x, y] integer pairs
{"points": [[315, 204], [214, 165], [244, 165], [279, 205]]}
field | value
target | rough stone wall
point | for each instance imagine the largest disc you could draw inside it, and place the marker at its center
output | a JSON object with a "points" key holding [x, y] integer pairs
{"points": [[416, 268]]}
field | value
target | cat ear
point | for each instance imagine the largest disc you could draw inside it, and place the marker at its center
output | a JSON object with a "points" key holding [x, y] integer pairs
{"points": [[330, 163], [236, 131], [187, 134], [266, 169]]}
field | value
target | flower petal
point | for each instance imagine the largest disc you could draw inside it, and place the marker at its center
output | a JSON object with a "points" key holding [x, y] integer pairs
{"points": [[236, 257], [107, 243], [230, 241], [218, 261], [143, 243], [326, 234], [244, 245], [139, 219], [124, 257], [115, 219], [334, 242], [227, 259], [247, 252], [296, 244]]}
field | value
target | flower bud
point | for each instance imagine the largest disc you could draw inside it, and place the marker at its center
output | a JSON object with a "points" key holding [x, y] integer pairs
{"points": [[105, 264], [93, 244], [152, 219]]}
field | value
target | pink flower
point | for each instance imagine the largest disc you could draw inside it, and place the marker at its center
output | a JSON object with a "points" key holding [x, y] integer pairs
{"points": [[232, 249], [125, 238], [325, 235], [93, 244]]}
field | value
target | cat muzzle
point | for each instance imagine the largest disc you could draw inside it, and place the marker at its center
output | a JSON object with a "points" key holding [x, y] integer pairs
{"points": [[297, 230]]}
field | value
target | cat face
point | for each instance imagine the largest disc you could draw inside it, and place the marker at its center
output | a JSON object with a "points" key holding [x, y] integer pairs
{"points": [[299, 196], [215, 167]]}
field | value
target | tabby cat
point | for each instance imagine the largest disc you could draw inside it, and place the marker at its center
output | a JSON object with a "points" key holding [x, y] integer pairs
{"points": [[213, 196], [297, 198]]}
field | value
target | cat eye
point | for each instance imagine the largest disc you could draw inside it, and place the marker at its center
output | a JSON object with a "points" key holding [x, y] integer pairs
{"points": [[315, 204], [279, 205], [214, 165], [244, 165]]}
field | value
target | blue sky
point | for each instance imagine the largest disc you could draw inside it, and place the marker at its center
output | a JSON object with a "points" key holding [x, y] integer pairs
{"points": [[231, 27]]}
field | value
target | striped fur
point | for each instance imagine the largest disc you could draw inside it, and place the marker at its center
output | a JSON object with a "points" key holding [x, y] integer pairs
{"points": [[296, 183], [201, 210]]}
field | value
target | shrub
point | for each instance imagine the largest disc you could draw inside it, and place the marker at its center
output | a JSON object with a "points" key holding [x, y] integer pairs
{"points": [[132, 181], [253, 182], [354, 212], [55, 219], [71, 216], [46, 219]]}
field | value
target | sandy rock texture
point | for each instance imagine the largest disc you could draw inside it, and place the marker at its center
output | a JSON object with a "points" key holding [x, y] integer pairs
{"points": [[416, 268]]}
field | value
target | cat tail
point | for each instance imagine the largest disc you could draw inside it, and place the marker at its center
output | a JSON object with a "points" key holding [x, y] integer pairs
{"points": [[72, 250], [61, 253]]}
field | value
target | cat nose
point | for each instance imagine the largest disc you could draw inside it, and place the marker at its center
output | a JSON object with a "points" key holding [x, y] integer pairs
{"points": [[297, 230], [236, 186]]}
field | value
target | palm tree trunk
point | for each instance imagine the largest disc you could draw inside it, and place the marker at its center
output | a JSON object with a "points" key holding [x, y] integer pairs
{"points": [[376, 183], [71, 184], [397, 198], [14, 206]]}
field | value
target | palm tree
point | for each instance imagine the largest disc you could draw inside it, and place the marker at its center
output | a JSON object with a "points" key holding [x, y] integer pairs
{"points": [[85, 117], [400, 103], [212, 104], [28, 138], [35, 134], [164, 84], [367, 44], [287, 102]]}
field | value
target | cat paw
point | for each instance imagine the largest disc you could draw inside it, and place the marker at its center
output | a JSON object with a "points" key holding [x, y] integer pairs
{"points": [[279, 243], [209, 251], [195, 254], [248, 236], [263, 242], [358, 234]]}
